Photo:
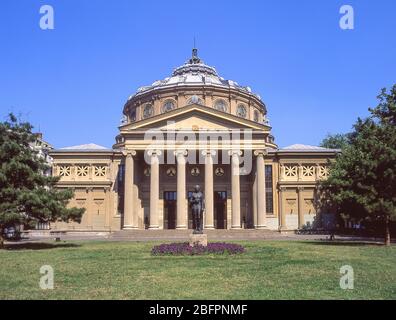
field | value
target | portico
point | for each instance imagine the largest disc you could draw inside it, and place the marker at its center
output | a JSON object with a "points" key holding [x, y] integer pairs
{"points": [[177, 178]]}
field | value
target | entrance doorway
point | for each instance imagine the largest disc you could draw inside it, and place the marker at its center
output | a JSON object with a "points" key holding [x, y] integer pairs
{"points": [[220, 209], [170, 210]]}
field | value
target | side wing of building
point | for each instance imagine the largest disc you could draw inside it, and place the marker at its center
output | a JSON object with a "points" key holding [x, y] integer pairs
{"points": [[93, 176]]}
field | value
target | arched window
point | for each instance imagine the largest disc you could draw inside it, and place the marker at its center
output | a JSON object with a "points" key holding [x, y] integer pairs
{"points": [[256, 116], [148, 110], [133, 115], [241, 111], [168, 106], [194, 100], [220, 105]]}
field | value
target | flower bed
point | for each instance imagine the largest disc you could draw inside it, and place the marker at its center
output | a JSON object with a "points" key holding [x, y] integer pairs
{"points": [[183, 248]]}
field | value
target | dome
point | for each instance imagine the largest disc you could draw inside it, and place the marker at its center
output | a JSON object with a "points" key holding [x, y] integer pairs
{"points": [[194, 72]]}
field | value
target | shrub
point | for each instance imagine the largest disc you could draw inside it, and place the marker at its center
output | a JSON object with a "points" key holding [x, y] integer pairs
{"points": [[184, 248]]}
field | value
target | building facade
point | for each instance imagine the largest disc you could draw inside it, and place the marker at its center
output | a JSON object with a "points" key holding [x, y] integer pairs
{"points": [[193, 128]]}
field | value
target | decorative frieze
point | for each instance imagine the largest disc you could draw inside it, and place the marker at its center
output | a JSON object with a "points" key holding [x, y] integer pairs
{"points": [[64, 171], [81, 171], [308, 171], [323, 172], [303, 172], [100, 171], [290, 171]]}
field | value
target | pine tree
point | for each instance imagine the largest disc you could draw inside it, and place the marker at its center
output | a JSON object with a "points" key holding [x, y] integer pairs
{"points": [[362, 180], [27, 195], [335, 141]]}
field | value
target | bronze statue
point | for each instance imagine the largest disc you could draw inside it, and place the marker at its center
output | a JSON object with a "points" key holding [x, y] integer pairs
{"points": [[197, 206]]}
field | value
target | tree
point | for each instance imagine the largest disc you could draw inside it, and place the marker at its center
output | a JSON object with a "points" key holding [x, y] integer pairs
{"points": [[27, 195], [362, 180], [335, 141]]}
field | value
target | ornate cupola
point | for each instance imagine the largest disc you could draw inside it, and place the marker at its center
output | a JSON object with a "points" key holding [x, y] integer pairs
{"points": [[195, 65], [195, 83]]}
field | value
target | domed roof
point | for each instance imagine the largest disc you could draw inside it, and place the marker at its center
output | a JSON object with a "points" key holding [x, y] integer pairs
{"points": [[194, 73]]}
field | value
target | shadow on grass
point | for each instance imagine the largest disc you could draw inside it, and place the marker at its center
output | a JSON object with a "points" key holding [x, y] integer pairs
{"points": [[38, 246], [349, 243]]}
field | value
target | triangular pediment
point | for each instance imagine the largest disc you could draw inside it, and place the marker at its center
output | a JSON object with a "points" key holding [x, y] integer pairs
{"points": [[195, 117]]}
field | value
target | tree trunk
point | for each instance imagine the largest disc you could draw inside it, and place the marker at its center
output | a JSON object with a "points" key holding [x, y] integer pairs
{"points": [[387, 232], [1, 239]]}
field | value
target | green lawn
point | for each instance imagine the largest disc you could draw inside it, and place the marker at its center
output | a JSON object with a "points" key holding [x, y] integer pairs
{"points": [[268, 270]]}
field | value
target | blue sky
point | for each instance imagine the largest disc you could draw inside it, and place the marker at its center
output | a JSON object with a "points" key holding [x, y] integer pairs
{"points": [[315, 78]]}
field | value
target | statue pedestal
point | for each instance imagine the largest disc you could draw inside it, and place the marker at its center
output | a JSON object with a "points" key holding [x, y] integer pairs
{"points": [[197, 239]]}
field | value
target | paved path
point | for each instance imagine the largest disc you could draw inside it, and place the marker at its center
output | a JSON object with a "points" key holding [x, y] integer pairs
{"points": [[183, 235], [214, 235]]}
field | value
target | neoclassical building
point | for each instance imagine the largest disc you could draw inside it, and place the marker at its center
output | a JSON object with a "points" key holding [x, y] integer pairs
{"points": [[193, 128]]}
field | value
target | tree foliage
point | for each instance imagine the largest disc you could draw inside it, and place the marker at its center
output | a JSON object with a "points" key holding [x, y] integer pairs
{"points": [[27, 195], [335, 141], [362, 180]]}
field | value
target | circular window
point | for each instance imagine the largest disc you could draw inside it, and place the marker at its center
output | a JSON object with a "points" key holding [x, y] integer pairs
{"points": [[219, 172], [171, 172], [241, 111], [168, 106], [221, 105], [256, 116], [195, 172], [148, 111]]}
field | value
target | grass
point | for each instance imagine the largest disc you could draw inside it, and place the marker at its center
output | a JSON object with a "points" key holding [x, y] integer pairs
{"points": [[268, 270]]}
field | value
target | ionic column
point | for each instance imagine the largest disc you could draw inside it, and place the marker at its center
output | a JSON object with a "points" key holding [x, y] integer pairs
{"points": [[261, 206], [209, 203], [235, 190], [154, 188], [181, 209], [254, 195], [282, 216], [301, 219], [130, 217]]}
